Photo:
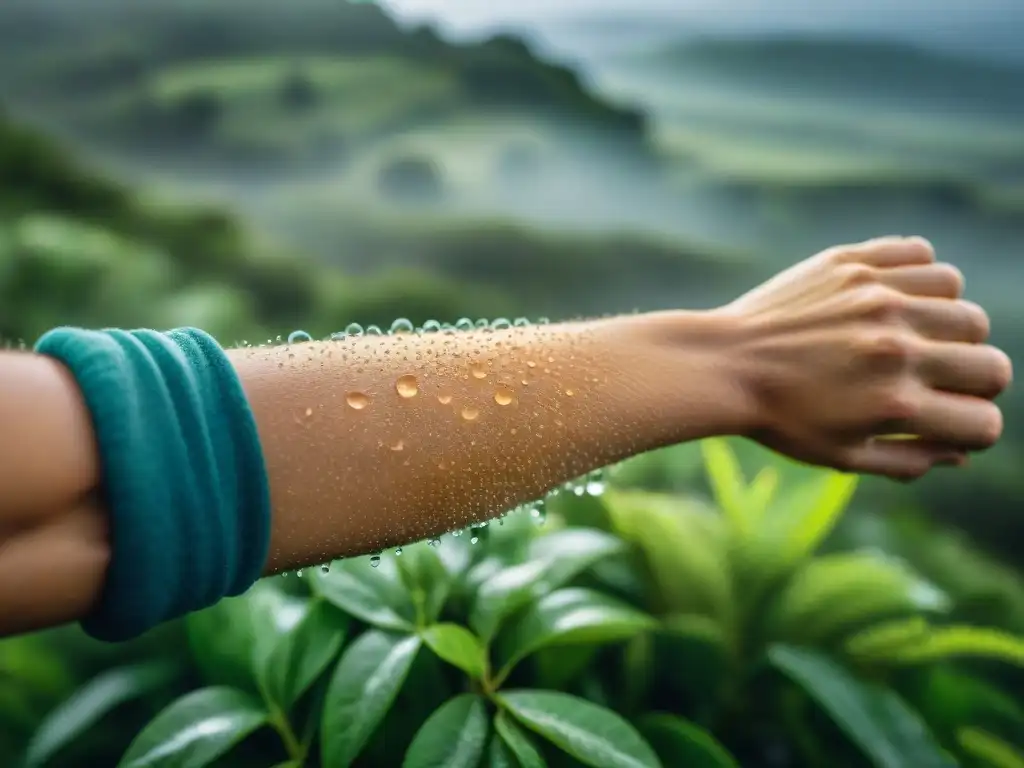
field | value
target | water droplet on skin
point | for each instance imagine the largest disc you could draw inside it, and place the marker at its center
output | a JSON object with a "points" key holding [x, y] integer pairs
{"points": [[398, 445], [595, 487], [542, 321], [298, 337], [406, 386], [398, 552], [375, 561], [325, 568], [504, 396], [431, 326], [464, 324], [474, 539], [354, 329], [374, 330], [579, 490], [339, 336], [357, 400], [444, 399], [299, 573], [435, 542], [521, 322], [539, 514], [478, 371], [457, 533], [469, 413], [531, 364], [570, 392], [501, 324], [402, 325]]}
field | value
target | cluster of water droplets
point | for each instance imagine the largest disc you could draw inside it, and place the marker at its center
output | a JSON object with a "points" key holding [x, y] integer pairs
{"points": [[591, 484]]}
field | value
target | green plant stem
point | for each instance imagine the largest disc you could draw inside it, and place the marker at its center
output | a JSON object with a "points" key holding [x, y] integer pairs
{"points": [[296, 750]]}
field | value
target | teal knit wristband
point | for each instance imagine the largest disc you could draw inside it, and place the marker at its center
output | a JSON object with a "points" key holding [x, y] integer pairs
{"points": [[183, 474]]}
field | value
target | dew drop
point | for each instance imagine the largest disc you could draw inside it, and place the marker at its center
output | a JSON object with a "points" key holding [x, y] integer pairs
{"points": [[539, 513], [478, 371], [298, 337], [398, 552], [435, 542], [444, 399], [504, 396], [500, 324], [464, 324], [357, 400], [338, 336], [457, 533], [402, 325], [570, 392], [406, 386], [483, 322], [374, 330], [325, 568], [374, 561], [299, 573], [431, 326], [354, 329], [469, 413], [520, 322], [473, 539]]}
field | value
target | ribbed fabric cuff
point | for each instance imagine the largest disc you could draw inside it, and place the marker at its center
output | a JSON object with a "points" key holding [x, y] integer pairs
{"points": [[183, 472]]}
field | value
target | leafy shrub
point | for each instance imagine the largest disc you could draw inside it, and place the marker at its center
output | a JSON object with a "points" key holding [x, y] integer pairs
{"points": [[633, 629]]}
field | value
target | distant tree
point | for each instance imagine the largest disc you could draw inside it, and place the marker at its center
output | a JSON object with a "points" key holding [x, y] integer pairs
{"points": [[298, 92], [411, 179]]}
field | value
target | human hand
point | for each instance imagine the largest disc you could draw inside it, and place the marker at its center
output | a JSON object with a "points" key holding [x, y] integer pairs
{"points": [[865, 341]]}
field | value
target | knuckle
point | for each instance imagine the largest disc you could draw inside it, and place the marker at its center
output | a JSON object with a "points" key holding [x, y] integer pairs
{"points": [[894, 346], [898, 407], [882, 302], [855, 274]]}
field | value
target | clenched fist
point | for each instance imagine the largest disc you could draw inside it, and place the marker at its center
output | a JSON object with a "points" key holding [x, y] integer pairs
{"points": [[862, 343]]}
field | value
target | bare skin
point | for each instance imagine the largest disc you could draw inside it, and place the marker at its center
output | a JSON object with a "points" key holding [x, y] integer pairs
{"points": [[378, 441]]}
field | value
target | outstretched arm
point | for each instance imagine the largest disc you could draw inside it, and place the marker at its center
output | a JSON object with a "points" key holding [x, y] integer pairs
{"points": [[377, 441]]}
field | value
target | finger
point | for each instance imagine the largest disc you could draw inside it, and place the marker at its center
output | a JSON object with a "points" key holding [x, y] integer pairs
{"points": [[958, 421], [901, 459], [940, 281], [890, 252], [944, 320], [967, 369]]}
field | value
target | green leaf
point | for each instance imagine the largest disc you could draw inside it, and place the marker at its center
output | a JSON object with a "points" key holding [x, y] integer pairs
{"points": [[374, 595], [454, 736], [525, 754], [553, 560], [684, 548], [426, 578], [948, 698], [196, 730], [569, 617], [459, 647], [875, 718], [958, 641], [833, 594], [362, 689], [989, 749], [761, 493], [813, 511], [89, 704], [727, 483], [592, 734], [499, 755], [302, 654], [680, 742]]}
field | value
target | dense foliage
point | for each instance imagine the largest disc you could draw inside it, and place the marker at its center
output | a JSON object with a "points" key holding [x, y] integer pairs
{"points": [[609, 628]]}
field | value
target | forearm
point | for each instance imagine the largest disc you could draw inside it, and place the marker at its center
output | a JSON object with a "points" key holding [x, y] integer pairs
{"points": [[358, 462], [373, 442]]}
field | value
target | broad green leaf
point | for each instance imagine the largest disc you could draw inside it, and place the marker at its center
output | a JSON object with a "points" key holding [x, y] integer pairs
{"points": [[570, 616], [833, 594], [89, 704], [684, 547], [362, 689], [499, 755], [959, 641], [680, 742], [553, 560], [592, 734], [876, 719], [426, 578], [990, 749], [231, 640], [886, 638], [303, 653], [813, 511], [948, 698], [374, 595], [458, 646], [196, 730], [694, 655], [455, 736], [525, 754], [727, 483]]}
